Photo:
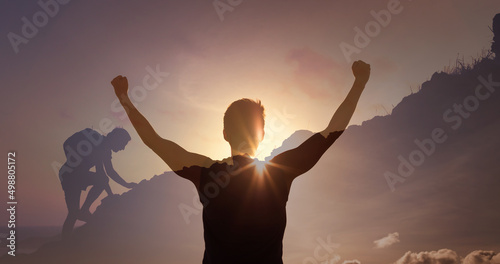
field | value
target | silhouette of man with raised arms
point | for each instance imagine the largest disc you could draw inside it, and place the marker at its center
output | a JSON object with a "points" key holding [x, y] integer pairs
{"points": [[244, 215], [84, 150]]}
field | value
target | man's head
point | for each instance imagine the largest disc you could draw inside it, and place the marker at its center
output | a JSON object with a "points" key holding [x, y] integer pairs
{"points": [[118, 139], [244, 125]]}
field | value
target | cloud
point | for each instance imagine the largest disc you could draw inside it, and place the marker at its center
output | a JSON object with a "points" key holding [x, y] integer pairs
{"points": [[315, 74], [354, 261], [447, 256], [482, 257], [387, 241], [442, 256]]}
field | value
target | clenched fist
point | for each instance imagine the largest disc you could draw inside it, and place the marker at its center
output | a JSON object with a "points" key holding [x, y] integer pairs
{"points": [[361, 71], [120, 83]]}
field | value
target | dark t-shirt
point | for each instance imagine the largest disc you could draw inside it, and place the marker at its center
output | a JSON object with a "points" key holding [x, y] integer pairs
{"points": [[244, 214]]}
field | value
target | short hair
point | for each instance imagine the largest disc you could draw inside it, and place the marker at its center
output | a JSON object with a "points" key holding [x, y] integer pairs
{"points": [[240, 116], [120, 134]]}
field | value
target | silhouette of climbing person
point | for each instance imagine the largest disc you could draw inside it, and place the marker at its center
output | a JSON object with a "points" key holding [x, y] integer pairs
{"points": [[244, 200], [84, 150]]}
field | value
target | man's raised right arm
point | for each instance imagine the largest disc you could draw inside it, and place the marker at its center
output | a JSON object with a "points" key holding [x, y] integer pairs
{"points": [[174, 155]]}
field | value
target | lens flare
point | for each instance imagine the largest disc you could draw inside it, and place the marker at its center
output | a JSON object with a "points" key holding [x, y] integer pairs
{"points": [[260, 166]]}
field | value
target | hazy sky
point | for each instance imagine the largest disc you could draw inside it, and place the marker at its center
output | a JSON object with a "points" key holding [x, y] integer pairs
{"points": [[56, 80]]}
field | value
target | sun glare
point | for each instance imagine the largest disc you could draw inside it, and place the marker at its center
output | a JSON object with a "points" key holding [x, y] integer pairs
{"points": [[260, 166]]}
